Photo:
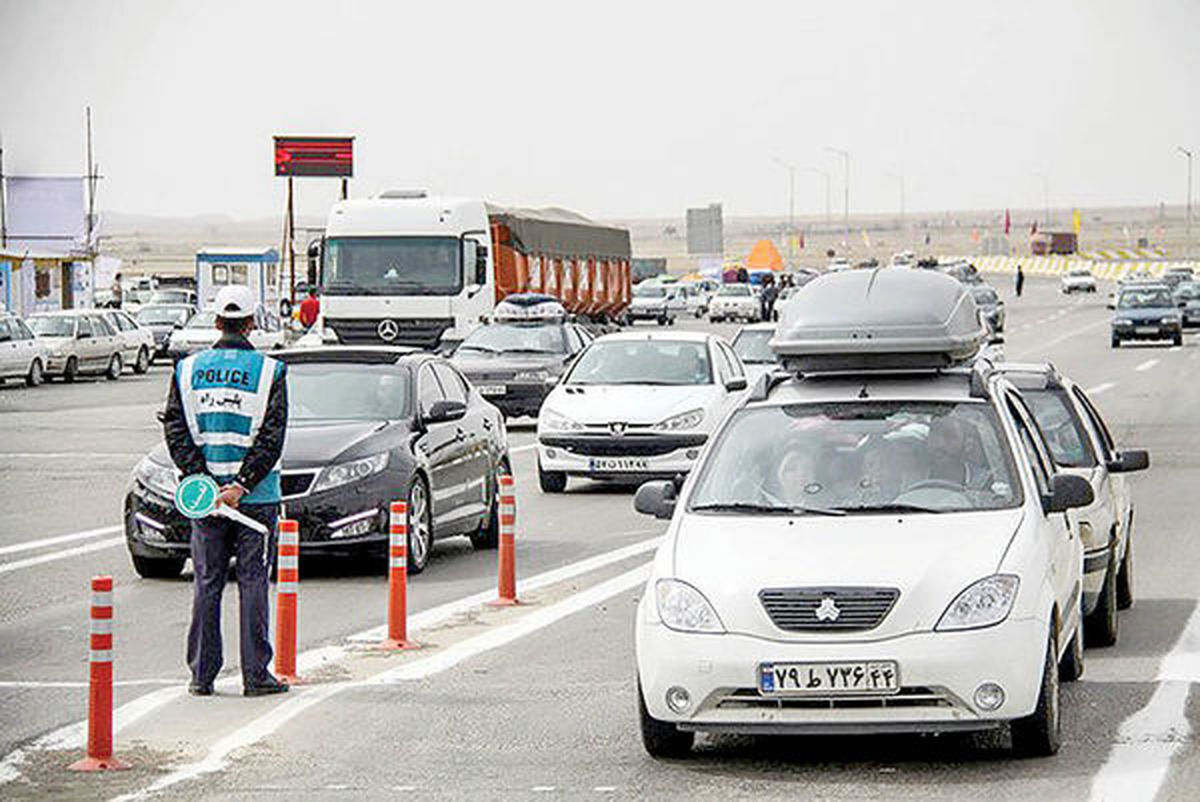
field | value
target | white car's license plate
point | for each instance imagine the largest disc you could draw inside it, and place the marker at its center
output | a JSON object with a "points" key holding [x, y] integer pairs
{"points": [[824, 679], [618, 464], [1146, 329], [492, 389]]}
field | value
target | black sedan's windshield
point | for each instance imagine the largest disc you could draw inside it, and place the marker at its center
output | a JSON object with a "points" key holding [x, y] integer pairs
{"points": [[527, 338], [882, 456], [1154, 298], [324, 391], [751, 346], [393, 266], [643, 362]]}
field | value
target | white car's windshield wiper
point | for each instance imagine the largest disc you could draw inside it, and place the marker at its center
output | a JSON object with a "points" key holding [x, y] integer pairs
{"points": [[891, 508], [485, 348], [766, 509]]}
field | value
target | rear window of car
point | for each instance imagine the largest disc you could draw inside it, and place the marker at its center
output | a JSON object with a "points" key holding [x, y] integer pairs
{"points": [[1061, 428], [734, 290]]}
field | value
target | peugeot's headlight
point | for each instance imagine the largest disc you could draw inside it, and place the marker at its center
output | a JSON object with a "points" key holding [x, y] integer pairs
{"points": [[347, 472], [155, 476], [685, 420], [681, 607], [1122, 322], [983, 604], [531, 376], [552, 421]]}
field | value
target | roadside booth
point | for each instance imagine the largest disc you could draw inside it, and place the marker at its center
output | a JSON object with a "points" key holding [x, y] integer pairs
{"points": [[256, 269]]}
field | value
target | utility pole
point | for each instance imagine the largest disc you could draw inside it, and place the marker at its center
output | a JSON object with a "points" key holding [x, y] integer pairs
{"points": [[846, 187], [91, 185], [825, 175], [791, 203], [1188, 229], [3, 218]]}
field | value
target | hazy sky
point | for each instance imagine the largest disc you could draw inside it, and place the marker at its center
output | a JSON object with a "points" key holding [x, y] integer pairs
{"points": [[610, 108]]}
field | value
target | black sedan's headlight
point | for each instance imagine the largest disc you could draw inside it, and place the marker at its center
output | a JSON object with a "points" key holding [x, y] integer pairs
{"points": [[344, 473]]}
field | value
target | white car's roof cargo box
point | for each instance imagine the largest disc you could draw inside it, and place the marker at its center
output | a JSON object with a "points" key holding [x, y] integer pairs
{"points": [[884, 319]]}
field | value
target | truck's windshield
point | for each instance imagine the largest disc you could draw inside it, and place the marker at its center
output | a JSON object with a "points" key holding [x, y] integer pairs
{"points": [[392, 266]]}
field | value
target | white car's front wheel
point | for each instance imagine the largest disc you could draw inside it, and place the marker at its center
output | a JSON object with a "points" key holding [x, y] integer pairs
{"points": [[1040, 733], [661, 738]]}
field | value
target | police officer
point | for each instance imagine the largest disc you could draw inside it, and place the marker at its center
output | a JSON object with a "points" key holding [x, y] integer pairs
{"points": [[226, 416]]}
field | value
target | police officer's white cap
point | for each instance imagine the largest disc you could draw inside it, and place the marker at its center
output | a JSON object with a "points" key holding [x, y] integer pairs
{"points": [[234, 302]]}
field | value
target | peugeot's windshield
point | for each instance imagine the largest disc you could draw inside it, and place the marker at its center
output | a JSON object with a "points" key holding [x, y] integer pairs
{"points": [[861, 457], [734, 290], [648, 291], [392, 266], [643, 362], [52, 326]]}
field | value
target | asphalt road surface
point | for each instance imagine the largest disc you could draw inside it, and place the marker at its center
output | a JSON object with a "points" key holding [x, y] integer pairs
{"points": [[538, 700]]}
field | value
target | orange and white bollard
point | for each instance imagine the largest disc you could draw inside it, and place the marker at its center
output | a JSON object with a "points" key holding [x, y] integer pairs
{"points": [[100, 695], [287, 590], [397, 625], [506, 581]]}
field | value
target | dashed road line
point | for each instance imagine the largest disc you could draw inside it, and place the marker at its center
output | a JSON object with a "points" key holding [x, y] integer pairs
{"points": [[1149, 363], [41, 543], [88, 548], [1103, 387]]}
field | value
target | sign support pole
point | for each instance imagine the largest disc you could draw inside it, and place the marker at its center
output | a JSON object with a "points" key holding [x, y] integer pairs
{"points": [[291, 244]]}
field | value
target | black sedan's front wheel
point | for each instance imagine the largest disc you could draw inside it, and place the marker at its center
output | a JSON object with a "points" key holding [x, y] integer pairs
{"points": [[420, 525], [488, 536]]}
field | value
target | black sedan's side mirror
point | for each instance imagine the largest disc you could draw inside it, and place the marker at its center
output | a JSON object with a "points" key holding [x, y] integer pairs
{"points": [[444, 411], [1068, 491], [1130, 460], [656, 498]]}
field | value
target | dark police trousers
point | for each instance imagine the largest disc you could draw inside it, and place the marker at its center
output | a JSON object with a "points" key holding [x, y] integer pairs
{"points": [[214, 541]]}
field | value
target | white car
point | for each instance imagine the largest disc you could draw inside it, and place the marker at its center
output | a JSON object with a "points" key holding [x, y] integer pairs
{"points": [[22, 355], [1080, 443], [201, 332], [651, 301], [1079, 279], [866, 552], [751, 344], [78, 342], [735, 302], [137, 341], [636, 405]]}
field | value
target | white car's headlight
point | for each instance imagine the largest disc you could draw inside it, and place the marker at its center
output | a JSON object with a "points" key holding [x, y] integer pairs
{"points": [[552, 421], [686, 420], [346, 472], [162, 479], [681, 607], [536, 376], [982, 604], [1171, 319], [1122, 322]]}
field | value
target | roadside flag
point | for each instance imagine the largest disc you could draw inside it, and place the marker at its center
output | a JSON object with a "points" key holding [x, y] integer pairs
{"points": [[926, 237], [800, 240], [1076, 221], [974, 235], [866, 239], [1007, 222], [1033, 228]]}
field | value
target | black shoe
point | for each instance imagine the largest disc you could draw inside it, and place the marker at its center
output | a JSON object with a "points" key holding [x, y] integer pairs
{"points": [[266, 688], [197, 689]]}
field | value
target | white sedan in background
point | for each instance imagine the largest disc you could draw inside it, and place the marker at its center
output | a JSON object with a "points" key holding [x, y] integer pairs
{"points": [[22, 355], [735, 302], [637, 405], [201, 332], [137, 341], [1078, 280]]}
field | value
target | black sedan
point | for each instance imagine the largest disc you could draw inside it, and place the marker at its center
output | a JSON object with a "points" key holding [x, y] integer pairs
{"points": [[162, 320], [515, 364], [366, 426], [1146, 312]]}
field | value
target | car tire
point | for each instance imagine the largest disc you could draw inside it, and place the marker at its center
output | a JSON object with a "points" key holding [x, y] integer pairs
{"points": [[551, 481], [71, 371], [157, 567], [662, 739], [488, 535], [1101, 626], [114, 368], [36, 375], [1070, 668], [1125, 577], [143, 361], [1116, 342], [1178, 341], [1039, 734], [662, 321], [420, 525]]}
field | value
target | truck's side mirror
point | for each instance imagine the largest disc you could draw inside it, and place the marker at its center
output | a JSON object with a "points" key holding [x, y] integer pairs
{"points": [[314, 261], [481, 254]]}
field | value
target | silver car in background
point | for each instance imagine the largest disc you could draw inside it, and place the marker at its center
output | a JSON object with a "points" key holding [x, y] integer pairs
{"points": [[78, 342], [22, 355]]}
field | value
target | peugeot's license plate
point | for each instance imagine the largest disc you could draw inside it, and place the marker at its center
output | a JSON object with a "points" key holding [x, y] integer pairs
{"points": [[825, 679], [1146, 330], [492, 389], [605, 464]]}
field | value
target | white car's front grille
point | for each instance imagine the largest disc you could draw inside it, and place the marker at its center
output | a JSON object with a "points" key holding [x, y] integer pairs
{"points": [[824, 609], [912, 696]]}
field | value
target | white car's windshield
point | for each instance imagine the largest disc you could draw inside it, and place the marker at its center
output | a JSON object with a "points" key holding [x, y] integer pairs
{"points": [[516, 338], [170, 297], [203, 320], [643, 362], [53, 326], [883, 456], [155, 315], [648, 291], [346, 392], [734, 290], [751, 346]]}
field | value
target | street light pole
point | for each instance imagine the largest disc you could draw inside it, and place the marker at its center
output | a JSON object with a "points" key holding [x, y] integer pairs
{"points": [[846, 199], [825, 175], [1188, 229], [791, 202]]}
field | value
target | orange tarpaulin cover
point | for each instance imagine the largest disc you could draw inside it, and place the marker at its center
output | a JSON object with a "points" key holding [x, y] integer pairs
{"points": [[764, 256]]}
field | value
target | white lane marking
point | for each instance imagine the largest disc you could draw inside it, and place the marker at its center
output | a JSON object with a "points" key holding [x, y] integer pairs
{"points": [[30, 545], [61, 555], [543, 789], [1103, 387], [267, 724], [519, 449], [1139, 761], [128, 683], [1149, 363], [69, 454], [1175, 348], [71, 736]]}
